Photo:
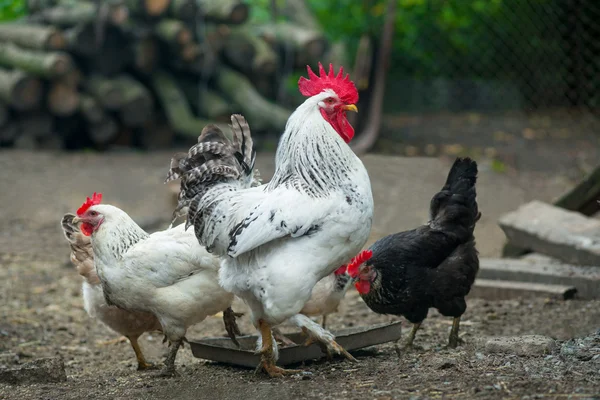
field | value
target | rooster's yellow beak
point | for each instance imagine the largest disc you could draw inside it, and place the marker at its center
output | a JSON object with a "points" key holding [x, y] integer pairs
{"points": [[350, 107]]}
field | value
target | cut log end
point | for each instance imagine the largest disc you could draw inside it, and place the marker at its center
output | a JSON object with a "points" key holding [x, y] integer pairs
{"points": [[61, 65], [26, 93], [155, 8], [119, 14], [56, 41], [239, 14], [63, 99]]}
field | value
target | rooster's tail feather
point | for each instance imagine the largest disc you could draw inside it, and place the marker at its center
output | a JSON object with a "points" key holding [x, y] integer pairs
{"points": [[212, 160]]}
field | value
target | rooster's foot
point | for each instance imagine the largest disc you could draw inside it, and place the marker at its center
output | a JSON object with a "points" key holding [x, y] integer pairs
{"points": [[282, 339], [274, 371]]}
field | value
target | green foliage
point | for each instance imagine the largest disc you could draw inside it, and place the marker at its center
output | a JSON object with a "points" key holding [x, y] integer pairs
{"points": [[12, 9]]}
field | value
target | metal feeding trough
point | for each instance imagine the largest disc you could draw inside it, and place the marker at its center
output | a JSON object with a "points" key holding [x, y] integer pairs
{"points": [[223, 350]]}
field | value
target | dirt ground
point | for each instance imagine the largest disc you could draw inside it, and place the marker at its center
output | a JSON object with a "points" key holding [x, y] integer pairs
{"points": [[41, 311]]}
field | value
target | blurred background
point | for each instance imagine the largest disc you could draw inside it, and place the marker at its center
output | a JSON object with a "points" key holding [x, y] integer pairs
{"points": [[514, 82]]}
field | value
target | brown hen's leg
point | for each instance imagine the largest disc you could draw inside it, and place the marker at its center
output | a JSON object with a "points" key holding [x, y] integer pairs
{"points": [[231, 325], [409, 341], [280, 337], [121, 339], [267, 360], [142, 363], [454, 339], [169, 368]]}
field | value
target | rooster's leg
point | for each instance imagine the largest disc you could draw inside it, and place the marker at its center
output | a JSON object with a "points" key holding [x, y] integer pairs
{"points": [[409, 342], [454, 339], [323, 323], [231, 326], [169, 368], [142, 363], [267, 360]]}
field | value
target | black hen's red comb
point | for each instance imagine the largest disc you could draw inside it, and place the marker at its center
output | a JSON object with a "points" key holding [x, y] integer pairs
{"points": [[357, 261], [96, 199], [342, 86]]}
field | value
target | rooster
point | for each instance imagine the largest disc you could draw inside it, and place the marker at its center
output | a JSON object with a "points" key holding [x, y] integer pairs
{"points": [[131, 324], [166, 274], [432, 266], [279, 239]]}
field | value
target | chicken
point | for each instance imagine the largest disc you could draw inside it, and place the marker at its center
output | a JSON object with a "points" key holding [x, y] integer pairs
{"points": [[279, 239], [433, 265], [166, 274], [130, 324], [325, 299], [327, 294]]}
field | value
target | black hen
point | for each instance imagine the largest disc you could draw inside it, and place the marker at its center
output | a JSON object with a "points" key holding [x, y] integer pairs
{"points": [[431, 266]]}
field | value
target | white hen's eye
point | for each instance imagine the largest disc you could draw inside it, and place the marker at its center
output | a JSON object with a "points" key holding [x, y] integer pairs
{"points": [[93, 213]]}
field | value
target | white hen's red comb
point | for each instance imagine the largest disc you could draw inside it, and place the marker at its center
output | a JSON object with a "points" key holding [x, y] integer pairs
{"points": [[95, 200]]}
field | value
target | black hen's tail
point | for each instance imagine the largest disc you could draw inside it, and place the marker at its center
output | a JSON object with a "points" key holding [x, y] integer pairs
{"points": [[454, 210], [214, 159]]}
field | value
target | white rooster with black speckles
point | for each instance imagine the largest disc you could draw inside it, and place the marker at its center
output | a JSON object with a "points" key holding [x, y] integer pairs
{"points": [[279, 239]]}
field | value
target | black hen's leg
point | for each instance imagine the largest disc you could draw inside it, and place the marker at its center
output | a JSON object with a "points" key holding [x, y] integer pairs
{"points": [[169, 368], [454, 339], [229, 319], [409, 342]]}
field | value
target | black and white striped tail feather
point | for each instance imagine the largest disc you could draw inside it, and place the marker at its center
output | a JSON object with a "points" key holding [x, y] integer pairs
{"points": [[212, 160]]}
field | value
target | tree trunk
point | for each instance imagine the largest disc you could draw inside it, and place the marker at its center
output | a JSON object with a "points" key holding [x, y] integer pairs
{"points": [[62, 99], [20, 91], [248, 52], [309, 45], [148, 8], [260, 113], [75, 13], [173, 32], [137, 103], [368, 137], [47, 65], [226, 11], [176, 107], [32, 36], [183, 9]]}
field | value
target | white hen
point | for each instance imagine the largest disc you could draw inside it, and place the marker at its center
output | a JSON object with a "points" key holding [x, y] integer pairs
{"points": [[166, 273], [131, 324], [278, 240]]}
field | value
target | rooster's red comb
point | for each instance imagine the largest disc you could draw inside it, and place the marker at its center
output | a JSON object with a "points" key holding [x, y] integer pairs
{"points": [[357, 261], [96, 199], [341, 85]]}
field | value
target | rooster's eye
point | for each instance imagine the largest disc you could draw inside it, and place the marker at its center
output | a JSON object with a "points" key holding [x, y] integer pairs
{"points": [[93, 213], [329, 100]]}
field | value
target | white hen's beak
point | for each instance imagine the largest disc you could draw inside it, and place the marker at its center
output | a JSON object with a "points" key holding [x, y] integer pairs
{"points": [[76, 220]]}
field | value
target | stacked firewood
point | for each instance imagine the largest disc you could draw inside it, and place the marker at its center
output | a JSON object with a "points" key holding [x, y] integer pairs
{"points": [[93, 73]]}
